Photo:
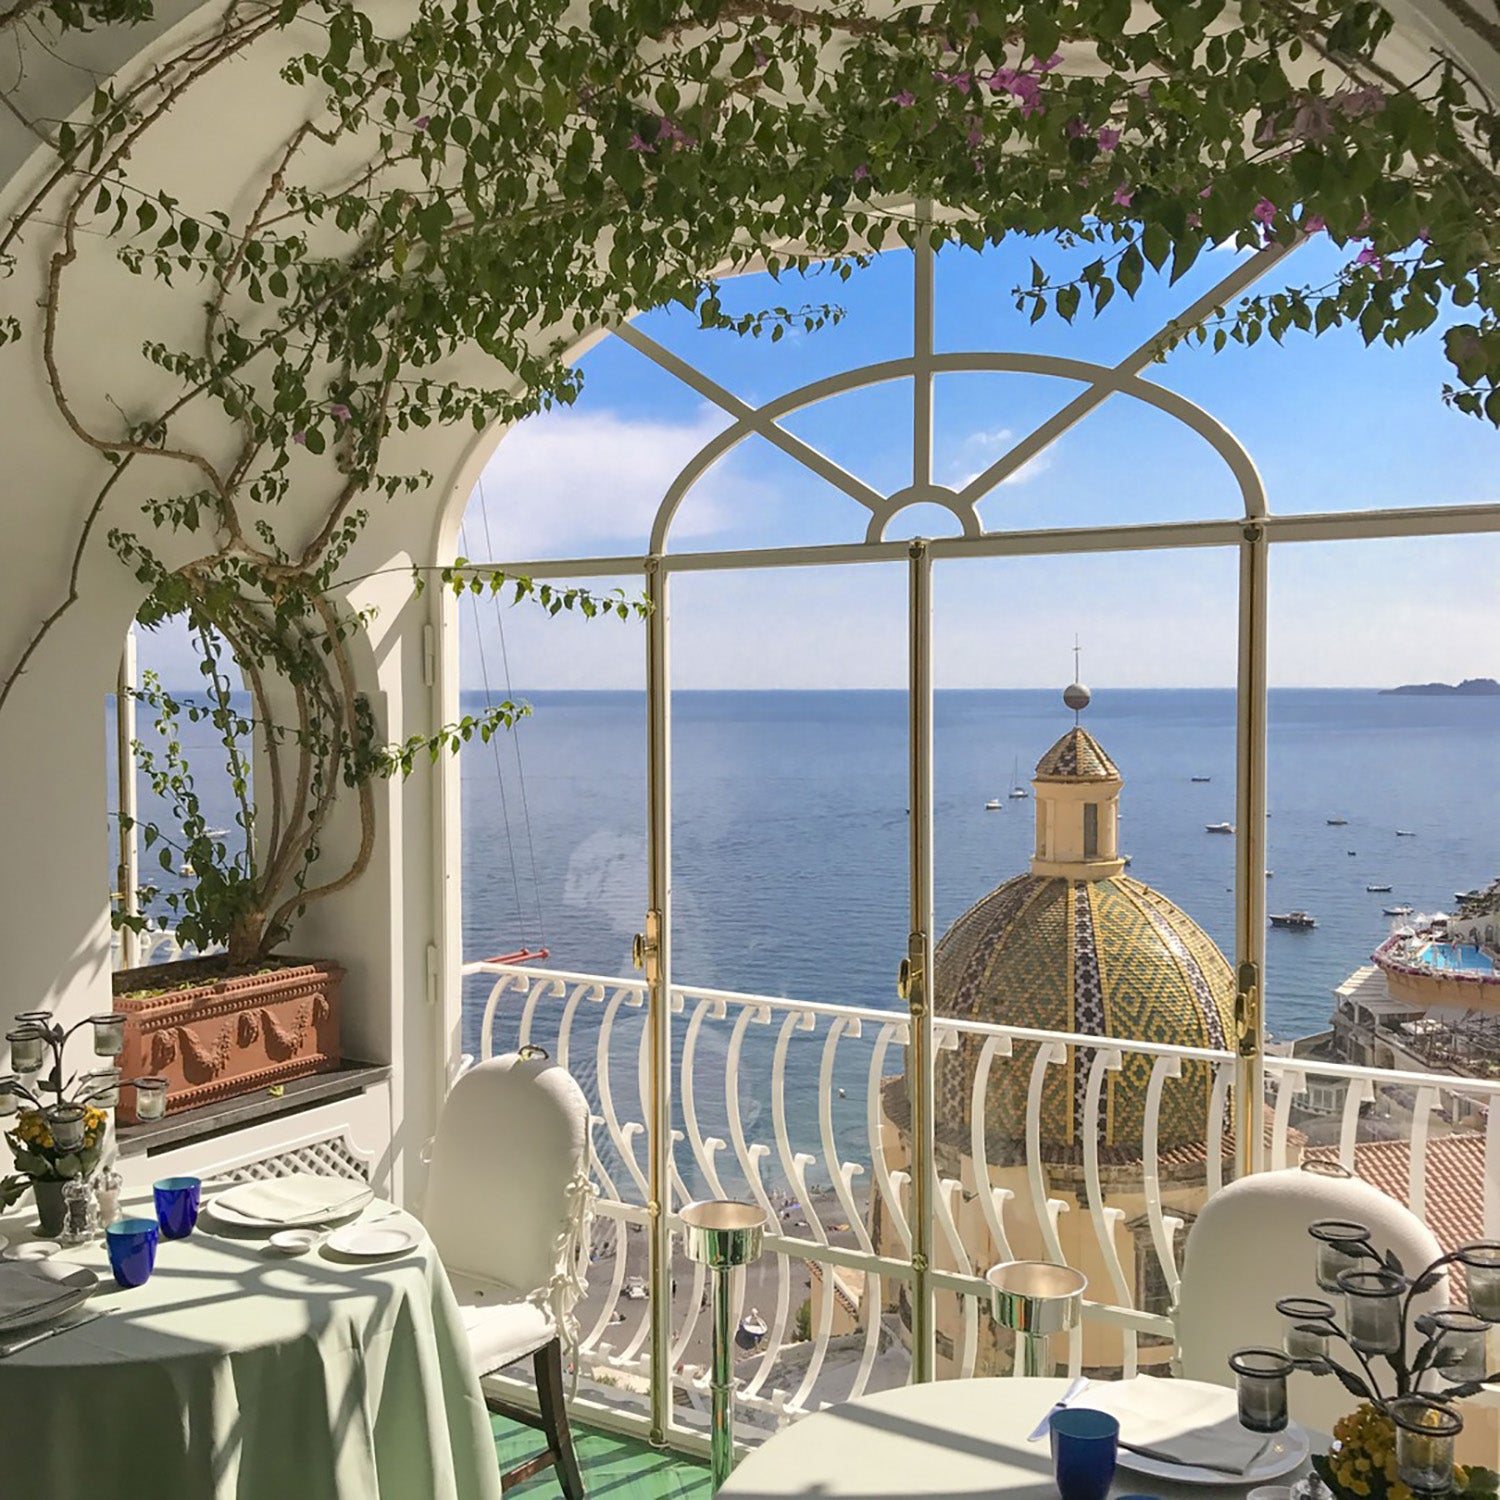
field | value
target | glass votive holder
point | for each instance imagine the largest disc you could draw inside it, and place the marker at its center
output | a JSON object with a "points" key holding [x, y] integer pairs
{"points": [[109, 1034], [101, 1088], [40, 1019], [1300, 1312], [1464, 1346], [67, 1124], [150, 1098], [1333, 1259], [1260, 1381], [1372, 1303], [1425, 1430], [10, 1100], [27, 1048], [1481, 1263]]}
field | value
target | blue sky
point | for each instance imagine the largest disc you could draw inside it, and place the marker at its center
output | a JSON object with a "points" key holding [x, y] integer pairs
{"points": [[1331, 426]]}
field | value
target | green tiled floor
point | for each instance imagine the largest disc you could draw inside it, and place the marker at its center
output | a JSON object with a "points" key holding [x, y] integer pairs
{"points": [[614, 1467]]}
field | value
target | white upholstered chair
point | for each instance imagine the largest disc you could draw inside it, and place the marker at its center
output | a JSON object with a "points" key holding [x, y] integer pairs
{"points": [[1250, 1246], [508, 1202]]}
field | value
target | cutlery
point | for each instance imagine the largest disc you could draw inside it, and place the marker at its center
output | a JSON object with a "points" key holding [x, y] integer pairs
{"points": [[49, 1333], [1070, 1395]]}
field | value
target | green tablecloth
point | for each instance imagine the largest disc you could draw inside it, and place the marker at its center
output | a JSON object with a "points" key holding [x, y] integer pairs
{"points": [[238, 1372]]}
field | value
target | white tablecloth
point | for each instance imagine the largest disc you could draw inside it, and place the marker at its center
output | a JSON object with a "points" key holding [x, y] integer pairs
{"points": [[951, 1440], [236, 1373]]}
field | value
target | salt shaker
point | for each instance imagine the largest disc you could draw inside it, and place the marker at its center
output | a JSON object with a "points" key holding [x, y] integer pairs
{"points": [[107, 1185]]}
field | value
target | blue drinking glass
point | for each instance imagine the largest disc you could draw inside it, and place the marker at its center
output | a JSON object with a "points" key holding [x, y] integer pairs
{"points": [[132, 1250], [1084, 1444], [177, 1205]]}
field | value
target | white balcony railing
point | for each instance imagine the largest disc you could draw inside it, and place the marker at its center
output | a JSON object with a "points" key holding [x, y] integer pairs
{"points": [[797, 1105]]}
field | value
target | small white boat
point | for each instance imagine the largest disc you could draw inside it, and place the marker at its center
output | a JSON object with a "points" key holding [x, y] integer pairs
{"points": [[1270, 874], [1396, 911], [1380, 889], [1016, 789], [1405, 833], [1298, 920], [993, 805], [1218, 828]]}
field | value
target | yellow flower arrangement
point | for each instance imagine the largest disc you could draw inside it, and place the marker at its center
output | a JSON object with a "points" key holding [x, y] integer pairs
{"points": [[1362, 1460], [37, 1154]]}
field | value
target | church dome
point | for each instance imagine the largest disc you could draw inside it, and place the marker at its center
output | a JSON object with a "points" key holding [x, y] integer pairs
{"points": [[1109, 957]]}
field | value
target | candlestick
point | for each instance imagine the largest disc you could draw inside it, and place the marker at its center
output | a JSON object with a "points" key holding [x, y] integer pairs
{"points": [[1305, 1348], [1425, 1430], [150, 1098], [1332, 1258], [1372, 1301], [1466, 1336], [1260, 1381], [1481, 1263]]}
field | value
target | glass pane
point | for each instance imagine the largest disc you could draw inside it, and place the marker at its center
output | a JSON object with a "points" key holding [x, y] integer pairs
{"points": [[789, 781], [1080, 895]]}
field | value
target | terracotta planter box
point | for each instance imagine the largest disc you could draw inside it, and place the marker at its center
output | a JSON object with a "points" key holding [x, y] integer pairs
{"points": [[212, 1036]]}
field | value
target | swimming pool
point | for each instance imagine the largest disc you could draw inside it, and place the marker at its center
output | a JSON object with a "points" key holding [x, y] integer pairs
{"points": [[1456, 956]]}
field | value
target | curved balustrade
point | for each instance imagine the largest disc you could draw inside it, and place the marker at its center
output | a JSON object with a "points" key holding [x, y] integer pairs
{"points": [[799, 1106]]}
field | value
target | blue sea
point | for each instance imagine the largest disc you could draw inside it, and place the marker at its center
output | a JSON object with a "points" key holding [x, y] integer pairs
{"points": [[789, 826]]}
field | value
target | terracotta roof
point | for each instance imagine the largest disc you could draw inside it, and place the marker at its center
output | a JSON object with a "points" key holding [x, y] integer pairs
{"points": [[1078, 756], [1454, 1206]]}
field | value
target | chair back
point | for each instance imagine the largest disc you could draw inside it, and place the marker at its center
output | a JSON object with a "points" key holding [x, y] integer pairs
{"points": [[503, 1191], [1250, 1247]]}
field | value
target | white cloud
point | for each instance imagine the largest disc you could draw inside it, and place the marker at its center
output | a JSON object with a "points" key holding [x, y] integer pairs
{"points": [[565, 482], [980, 449]]}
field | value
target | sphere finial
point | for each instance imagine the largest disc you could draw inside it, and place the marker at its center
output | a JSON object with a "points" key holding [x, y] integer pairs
{"points": [[1076, 695]]}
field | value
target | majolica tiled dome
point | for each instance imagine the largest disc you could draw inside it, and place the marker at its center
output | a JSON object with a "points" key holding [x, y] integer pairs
{"points": [[1106, 958], [1077, 946]]}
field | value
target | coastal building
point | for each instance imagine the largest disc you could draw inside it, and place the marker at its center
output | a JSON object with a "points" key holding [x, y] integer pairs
{"points": [[1074, 946]]}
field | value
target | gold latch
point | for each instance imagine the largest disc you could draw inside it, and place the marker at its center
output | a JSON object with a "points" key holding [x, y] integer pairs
{"points": [[645, 947], [903, 980], [1247, 1009]]}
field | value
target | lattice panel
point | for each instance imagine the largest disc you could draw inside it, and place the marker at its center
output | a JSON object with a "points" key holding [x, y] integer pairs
{"points": [[331, 1158]]}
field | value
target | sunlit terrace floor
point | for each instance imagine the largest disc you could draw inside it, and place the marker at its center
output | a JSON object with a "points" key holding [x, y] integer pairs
{"points": [[614, 1467]]}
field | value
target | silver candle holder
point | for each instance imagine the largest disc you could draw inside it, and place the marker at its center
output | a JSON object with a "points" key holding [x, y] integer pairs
{"points": [[1036, 1299], [722, 1234]]}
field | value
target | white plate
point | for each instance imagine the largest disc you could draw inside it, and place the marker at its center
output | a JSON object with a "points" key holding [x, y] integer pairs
{"points": [[1285, 1452], [32, 1250], [373, 1240], [81, 1282], [228, 1214]]}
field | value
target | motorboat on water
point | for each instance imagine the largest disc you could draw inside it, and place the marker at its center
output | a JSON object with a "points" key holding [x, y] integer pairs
{"points": [[1337, 822], [1200, 778], [993, 805], [1380, 888], [1396, 911], [1298, 920], [1405, 833], [1218, 828]]}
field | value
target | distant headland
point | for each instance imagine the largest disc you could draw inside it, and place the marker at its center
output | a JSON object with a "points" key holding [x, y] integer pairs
{"points": [[1470, 687]]}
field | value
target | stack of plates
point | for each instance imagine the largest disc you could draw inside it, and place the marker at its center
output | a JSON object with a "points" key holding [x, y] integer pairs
{"points": [[35, 1292], [290, 1202]]}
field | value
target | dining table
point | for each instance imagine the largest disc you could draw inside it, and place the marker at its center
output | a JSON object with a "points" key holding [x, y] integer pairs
{"points": [[947, 1440], [241, 1371]]}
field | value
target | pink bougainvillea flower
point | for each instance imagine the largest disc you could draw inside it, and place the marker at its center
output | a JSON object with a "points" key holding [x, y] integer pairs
{"points": [[1002, 80], [961, 81], [1358, 102], [905, 98], [1314, 224], [339, 411], [1075, 128], [637, 144], [1108, 139], [1123, 196], [1369, 256], [1313, 121], [1195, 221], [760, 57], [975, 134], [861, 172], [421, 122], [1264, 212], [1046, 67], [300, 438]]}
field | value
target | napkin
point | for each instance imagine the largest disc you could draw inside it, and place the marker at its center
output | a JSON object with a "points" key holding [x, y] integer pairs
{"points": [[303, 1195], [1187, 1421], [23, 1293]]}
